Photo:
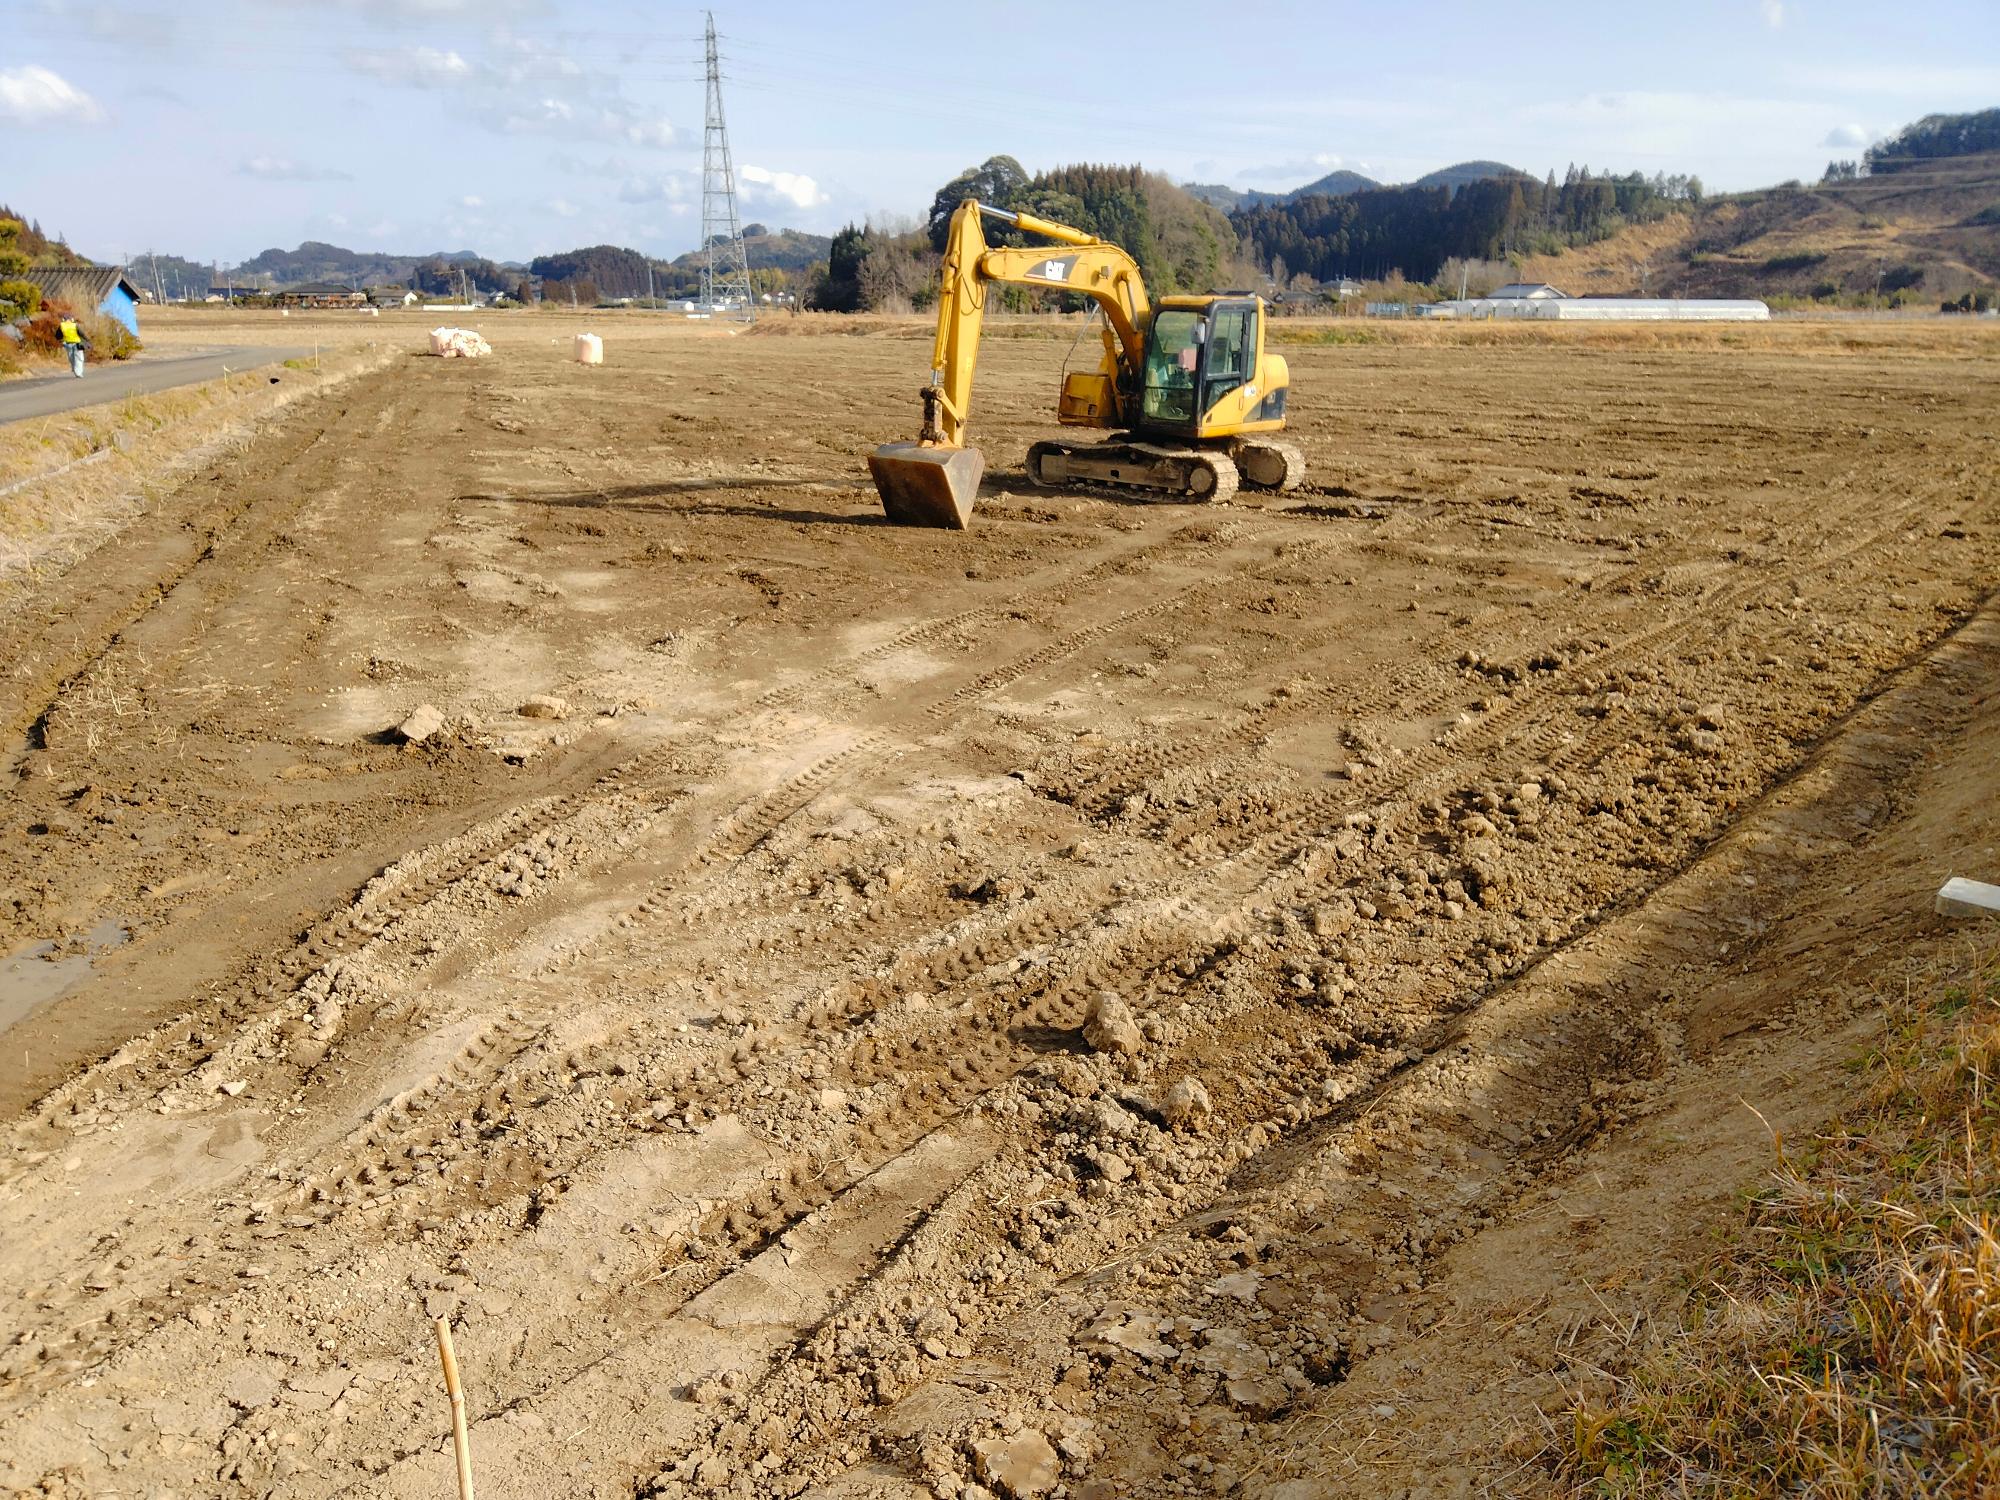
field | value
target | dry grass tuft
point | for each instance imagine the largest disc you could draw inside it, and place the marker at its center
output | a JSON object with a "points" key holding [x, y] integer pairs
{"points": [[1849, 1344]]}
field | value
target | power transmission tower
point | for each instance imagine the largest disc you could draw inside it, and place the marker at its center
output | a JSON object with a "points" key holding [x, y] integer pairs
{"points": [[725, 267]]}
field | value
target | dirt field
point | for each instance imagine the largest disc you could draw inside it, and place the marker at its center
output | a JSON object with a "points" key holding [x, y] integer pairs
{"points": [[1489, 845]]}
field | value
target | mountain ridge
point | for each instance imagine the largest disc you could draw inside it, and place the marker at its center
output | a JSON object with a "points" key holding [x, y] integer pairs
{"points": [[1343, 181]]}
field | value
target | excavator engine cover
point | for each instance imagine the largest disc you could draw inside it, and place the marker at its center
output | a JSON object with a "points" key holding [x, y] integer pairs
{"points": [[926, 486]]}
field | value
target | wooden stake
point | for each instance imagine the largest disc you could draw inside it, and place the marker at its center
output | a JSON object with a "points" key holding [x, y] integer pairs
{"points": [[453, 1389]]}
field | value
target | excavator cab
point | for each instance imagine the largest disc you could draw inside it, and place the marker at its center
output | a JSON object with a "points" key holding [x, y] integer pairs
{"points": [[1206, 371]]}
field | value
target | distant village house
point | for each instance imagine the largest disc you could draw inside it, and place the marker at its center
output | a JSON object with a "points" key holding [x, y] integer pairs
{"points": [[321, 295]]}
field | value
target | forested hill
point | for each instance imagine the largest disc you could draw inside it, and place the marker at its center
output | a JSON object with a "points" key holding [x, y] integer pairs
{"points": [[1415, 229], [1459, 174], [1921, 234], [315, 260], [771, 249], [1342, 181], [1180, 242], [1934, 137], [37, 246]]}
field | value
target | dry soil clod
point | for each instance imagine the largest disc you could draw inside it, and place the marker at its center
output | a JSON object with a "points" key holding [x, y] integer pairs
{"points": [[1110, 1027]]}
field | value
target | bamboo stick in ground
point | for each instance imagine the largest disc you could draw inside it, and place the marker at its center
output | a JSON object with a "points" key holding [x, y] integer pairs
{"points": [[459, 1443]]}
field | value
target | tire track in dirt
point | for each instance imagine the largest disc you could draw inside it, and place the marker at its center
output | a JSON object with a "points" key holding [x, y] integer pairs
{"points": [[1247, 869], [370, 924], [1267, 1143], [59, 637], [1428, 687], [390, 900], [393, 896]]}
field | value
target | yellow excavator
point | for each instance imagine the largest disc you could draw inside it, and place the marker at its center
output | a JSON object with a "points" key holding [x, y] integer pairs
{"points": [[1186, 385]]}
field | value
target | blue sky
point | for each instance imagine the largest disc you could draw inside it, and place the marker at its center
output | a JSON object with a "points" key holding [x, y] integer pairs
{"points": [[217, 128]]}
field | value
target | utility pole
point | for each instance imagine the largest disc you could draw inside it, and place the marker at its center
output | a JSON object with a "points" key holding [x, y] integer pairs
{"points": [[725, 267]]}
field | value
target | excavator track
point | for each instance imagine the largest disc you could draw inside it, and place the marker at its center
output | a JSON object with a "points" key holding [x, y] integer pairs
{"points": [[1268, 465], [1203, 476]]}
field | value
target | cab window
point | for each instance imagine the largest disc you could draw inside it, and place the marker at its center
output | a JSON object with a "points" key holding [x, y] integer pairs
{"points": [[1173, 357], [1232, 344]]}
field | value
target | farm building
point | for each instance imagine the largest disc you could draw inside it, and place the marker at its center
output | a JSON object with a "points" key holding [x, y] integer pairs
{"points": [[1532, 291], [91, 289], [1604, 309], [392, 296], [321, 294]]}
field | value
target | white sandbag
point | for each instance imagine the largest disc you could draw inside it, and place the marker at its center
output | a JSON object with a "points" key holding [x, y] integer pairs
{"points": [[589, 349], [458, 343]]}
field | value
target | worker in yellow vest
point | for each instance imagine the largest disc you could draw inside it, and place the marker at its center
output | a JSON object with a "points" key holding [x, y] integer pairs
{"points": [[74, 343]]}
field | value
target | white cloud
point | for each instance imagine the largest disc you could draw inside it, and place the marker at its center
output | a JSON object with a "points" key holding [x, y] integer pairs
{"points": [[522, 87], [116, 25], [524, 60], [1918, 80], [657, 133], [1847, 137], [577, 166], [472, 200], [284, 169], [615, 121], [1773, 12], [413, 67], [416, 12], [1669, 129], [1310, 168], [35, 96], [674, 187], [763, 185], [562, 208]]}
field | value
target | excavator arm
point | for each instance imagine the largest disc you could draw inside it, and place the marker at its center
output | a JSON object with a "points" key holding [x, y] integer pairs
{"points": [[1087, 266], [932, 481]]}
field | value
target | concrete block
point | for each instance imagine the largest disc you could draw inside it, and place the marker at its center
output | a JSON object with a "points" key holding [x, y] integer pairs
{"points": [[1959, 897]]}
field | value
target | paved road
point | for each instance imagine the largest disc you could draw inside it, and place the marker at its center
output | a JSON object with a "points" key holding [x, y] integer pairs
{"points": [[46, 395]]}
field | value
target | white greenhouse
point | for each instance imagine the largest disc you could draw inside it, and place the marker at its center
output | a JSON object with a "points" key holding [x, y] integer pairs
{"points": [[1610, 309]]}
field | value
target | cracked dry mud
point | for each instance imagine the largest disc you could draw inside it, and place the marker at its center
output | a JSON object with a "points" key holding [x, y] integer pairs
{"points": [[1128, 1000]]}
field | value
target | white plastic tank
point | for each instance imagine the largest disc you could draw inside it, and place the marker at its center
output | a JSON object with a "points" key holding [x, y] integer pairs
{"points": [[589, 349]]}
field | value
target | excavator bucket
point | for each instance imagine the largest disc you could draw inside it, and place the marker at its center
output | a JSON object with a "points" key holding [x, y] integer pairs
{"points": [[923, 486]]}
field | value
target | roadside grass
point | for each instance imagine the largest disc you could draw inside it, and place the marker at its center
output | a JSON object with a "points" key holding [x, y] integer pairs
{"points": [[70, 481], [1848, 1342], [1283, 331]]}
